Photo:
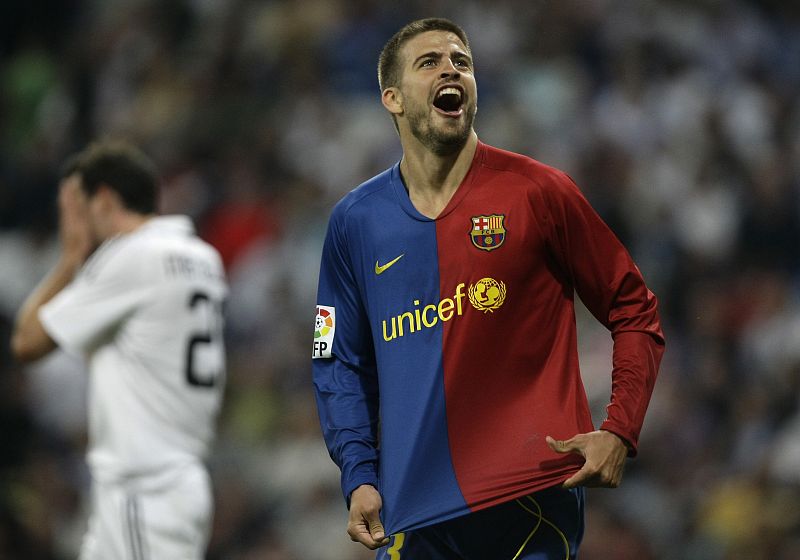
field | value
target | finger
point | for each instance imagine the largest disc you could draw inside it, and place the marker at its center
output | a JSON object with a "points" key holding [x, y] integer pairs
{"points": [[555, 445], [368, 532], [365, 521], [377, 531], [382, 542], [69, 194], [594, 478], [581, 478], [610, 478], [354, 532], [362, 535], [563, 446]]}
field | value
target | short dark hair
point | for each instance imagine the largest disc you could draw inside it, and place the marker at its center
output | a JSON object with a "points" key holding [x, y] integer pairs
{"points": [[389, 69], [121, 166]]}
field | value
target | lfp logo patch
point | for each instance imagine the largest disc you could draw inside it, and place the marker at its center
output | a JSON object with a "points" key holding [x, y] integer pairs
{"points": [[324, 330], [488, 232]]}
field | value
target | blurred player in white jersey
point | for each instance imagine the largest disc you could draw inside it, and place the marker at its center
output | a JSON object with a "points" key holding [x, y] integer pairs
{"points": [[140, 296]]}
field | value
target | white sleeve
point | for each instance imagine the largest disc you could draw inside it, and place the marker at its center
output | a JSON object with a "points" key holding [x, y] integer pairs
{"points": [[93, 305]]}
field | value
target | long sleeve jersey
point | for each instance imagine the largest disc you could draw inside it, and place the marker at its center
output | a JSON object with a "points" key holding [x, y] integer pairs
{"points": [[446, 349]]}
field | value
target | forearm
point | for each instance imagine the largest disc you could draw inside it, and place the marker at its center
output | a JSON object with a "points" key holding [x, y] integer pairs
{"points": [[353, 447], [348, 411], [30, 340], [636, 358]]}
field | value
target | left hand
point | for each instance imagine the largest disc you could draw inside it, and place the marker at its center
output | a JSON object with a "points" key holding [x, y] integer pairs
{"points": [[605, 455], [74, 225]]}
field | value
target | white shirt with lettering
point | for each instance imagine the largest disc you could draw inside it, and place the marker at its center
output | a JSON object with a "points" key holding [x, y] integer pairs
{"points": [[146, 312]]}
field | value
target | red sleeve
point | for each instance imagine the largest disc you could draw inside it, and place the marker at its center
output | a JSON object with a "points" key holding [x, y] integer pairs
{"points": [[611, 286]]}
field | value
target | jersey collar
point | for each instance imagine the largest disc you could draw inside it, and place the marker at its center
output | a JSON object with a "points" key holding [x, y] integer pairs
{"points": [[466, 185]]}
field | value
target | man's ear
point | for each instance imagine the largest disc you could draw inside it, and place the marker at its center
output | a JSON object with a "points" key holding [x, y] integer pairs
{"points": [[109, 197], [392, 99]]}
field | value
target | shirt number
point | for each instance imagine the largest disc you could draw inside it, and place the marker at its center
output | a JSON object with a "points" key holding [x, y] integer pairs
{"points": [[397, 543], [208, 340]]}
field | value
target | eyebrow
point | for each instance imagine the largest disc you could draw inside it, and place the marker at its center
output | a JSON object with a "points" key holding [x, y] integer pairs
{"points": [[437, 55]]}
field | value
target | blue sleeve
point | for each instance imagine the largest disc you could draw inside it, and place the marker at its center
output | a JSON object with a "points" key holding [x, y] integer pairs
{"points": [[345, 379]]}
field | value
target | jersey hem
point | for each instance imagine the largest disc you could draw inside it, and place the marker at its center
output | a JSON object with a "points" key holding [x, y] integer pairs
{"points": [[551, 481]]}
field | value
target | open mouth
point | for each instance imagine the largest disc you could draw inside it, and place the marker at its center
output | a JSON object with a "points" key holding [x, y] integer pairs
{"points": [[448, 101]]}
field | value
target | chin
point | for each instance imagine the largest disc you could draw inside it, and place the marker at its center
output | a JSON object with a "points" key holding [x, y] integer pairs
{"points": [[453, 138], [441, 138], [448, 145]]}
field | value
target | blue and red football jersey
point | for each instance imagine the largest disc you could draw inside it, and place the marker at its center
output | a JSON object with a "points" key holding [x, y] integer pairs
{"points": [[446, 348]]}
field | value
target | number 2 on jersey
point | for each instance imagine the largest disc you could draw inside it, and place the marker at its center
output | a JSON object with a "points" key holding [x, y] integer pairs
{"points": [[208, 340]]}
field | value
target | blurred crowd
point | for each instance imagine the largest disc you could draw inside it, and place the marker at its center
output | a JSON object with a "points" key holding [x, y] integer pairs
{"points": [[679, 119]]}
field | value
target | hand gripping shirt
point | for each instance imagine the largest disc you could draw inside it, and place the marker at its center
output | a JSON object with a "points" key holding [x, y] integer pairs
{"points": [[446, 350], [145, 310]]}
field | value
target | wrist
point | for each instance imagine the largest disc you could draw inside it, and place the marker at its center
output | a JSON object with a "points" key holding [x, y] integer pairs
{"points": [[68, 265], [621, 439]]}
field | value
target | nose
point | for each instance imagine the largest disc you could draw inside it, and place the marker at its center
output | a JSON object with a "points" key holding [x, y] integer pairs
{"points": [[449, 69]]}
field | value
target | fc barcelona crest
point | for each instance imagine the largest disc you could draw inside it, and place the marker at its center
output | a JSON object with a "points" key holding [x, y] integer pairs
{"points": [[488, 232]]}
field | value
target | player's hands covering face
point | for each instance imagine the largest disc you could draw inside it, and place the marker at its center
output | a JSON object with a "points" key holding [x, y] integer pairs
{"points": [[74, 226]]}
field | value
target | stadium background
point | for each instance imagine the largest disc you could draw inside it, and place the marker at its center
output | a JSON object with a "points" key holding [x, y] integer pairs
{"points": [[679, 119]]}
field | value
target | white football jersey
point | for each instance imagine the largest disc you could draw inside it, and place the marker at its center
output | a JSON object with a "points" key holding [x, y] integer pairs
{"points": [[146, 311]]}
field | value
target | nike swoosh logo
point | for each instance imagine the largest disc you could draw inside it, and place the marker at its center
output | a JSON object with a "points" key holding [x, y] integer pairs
{"points": [[380, 269]]}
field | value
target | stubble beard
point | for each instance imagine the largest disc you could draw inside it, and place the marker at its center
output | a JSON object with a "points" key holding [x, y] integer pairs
{"points": [[440, 140]]}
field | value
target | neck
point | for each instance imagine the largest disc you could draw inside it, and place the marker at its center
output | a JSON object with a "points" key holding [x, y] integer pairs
{"points": [[432, 179], [126, 222]]}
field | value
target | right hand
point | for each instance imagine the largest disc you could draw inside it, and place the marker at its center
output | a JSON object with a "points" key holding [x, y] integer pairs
{"points": [[77, 242], [365, 525]]}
